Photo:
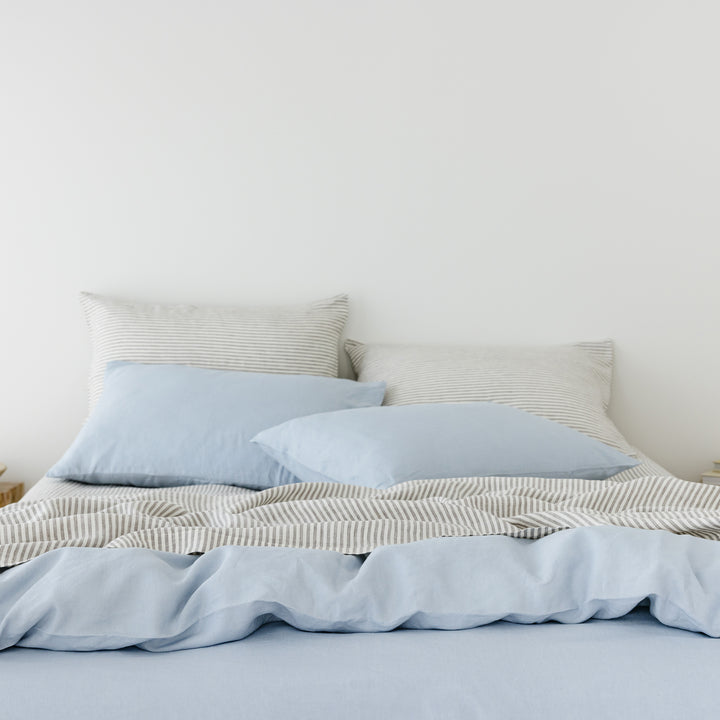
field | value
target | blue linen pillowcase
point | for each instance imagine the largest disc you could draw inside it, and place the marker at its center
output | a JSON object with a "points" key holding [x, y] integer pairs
{"points": [[381, 446], [162, 425]]}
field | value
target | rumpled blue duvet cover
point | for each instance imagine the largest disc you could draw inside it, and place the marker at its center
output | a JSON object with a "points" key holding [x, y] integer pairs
{"points": [[91, 599]]}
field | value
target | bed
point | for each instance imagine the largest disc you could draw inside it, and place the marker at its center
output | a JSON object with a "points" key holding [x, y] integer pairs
{"points": [[467, 595]]}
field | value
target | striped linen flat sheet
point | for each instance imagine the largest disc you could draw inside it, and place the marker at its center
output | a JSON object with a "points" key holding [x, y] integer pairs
{"points": [[351, 519]]}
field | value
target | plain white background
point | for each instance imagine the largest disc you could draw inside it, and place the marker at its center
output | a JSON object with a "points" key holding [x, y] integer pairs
{"points": [[470, 172]]}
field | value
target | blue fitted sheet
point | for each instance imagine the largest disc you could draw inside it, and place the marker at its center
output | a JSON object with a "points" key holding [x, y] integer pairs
{"points": [[632, 667]]}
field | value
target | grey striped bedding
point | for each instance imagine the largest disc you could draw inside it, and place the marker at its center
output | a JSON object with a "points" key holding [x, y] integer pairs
{"points": [[569, 384], [349, 519], [296, 339]]}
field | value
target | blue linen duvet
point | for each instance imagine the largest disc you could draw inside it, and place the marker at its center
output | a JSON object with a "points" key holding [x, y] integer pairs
{"points": [[94, 598]]}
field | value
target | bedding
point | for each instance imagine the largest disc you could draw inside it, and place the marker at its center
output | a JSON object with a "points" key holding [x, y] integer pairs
{"points": [[177, 425], [356, 520], [422, 598], [569, 384], [418, 575], [292, 339], [629, 666], [382, 446], [163, 602], [632, 667]]}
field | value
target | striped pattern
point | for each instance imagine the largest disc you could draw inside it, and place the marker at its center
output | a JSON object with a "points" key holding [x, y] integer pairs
{"points": [[49, 488], [301, 339], [569, 384], [352, 519]]}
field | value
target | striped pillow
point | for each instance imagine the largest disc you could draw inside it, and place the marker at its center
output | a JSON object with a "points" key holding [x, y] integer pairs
{"points": [[297, 339], [569, 384]]}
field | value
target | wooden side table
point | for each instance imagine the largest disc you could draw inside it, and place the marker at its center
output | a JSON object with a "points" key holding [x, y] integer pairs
{"points": [[10, 492], [712, 477]]}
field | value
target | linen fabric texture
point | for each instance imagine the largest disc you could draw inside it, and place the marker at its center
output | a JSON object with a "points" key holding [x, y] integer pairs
{"points": [[293, 339], [350, 519], [158, 425], [569, 384], [227, 594], [381, 446]]}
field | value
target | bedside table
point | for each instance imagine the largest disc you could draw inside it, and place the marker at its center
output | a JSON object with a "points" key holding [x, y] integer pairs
{"points": [[10, 492], [712, 477]]}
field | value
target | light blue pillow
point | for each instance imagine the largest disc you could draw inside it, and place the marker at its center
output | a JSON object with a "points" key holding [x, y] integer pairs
{"points": [[159, 425], [381, 446]]}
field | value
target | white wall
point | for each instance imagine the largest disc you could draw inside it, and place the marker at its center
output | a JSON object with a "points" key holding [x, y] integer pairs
{"points": [[468, 171]]}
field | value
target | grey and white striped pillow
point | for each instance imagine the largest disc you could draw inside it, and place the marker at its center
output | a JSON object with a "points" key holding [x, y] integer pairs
{"points": [[296, 339], [569, 384]]}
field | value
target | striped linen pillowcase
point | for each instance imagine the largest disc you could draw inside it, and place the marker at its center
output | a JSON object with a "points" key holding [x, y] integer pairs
{"points": [[569, 384], [293, 340]]}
